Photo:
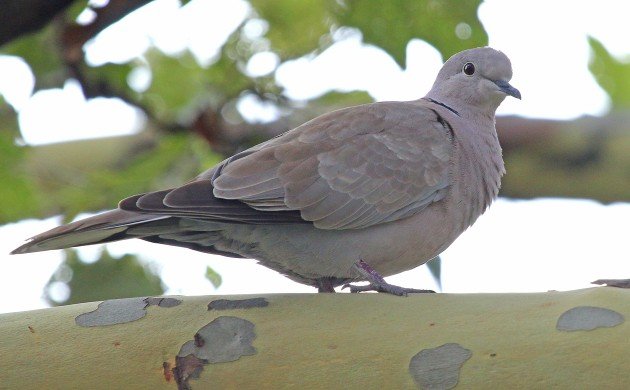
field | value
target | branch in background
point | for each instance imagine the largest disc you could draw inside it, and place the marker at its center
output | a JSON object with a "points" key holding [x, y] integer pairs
{"points": [[74, 35], [582, 158], [19, 17]]}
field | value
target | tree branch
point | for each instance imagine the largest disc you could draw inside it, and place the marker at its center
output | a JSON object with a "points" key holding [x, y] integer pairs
{"points": [[583, 158], [324, 341], [19, 17], [74, 36]]}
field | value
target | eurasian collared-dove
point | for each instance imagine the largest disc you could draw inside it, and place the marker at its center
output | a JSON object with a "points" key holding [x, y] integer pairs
{"points": [[354, 194]]}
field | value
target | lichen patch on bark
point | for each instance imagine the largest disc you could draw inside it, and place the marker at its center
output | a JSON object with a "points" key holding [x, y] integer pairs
{"points": [[231, 304], [162, 301], [438, 368], [120, 311], [588, 318], [225, 339]]}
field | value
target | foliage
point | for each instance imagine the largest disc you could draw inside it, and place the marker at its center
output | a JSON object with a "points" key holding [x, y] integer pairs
{"points": [[106, 278], [612, 74], [166, 101], [213, 277], [296, 27], [451, 26], [16, 189], [40, 52]]}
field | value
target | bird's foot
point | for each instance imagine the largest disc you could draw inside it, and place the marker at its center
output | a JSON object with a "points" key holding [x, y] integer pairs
{"points": [[385, 288], [621, 283], [378, 284]]}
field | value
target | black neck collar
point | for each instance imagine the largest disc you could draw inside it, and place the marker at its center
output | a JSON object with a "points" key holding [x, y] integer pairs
{"points": [[443, 105]]}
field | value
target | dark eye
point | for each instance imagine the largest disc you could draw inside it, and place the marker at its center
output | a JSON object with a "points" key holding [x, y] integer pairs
{"points": [[469, 68]]}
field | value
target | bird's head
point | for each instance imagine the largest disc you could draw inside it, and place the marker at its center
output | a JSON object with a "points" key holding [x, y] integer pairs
{"points": [[478, 77]]}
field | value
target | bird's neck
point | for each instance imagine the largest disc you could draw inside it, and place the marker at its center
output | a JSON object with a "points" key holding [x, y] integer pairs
{"points": [[480, 158], [465, 106]]}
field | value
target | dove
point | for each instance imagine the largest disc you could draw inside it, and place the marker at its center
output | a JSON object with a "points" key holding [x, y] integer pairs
{"points": [[356, 194]]}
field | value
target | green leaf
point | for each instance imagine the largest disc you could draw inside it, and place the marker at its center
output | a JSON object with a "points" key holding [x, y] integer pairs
{"points": [[435, 267], [107, 278], [224, 77], [113, 76], [213, 277], [392, 24], [611, 74], [177, 83], [17, 192], [41, 52], [295, 27]]}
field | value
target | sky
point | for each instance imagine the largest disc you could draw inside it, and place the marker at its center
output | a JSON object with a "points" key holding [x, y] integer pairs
{"points": [[533, 245]]}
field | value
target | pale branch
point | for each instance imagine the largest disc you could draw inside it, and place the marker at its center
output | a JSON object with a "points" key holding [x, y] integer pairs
{"points": [[588, 157], [582, 158], [322, 341]]}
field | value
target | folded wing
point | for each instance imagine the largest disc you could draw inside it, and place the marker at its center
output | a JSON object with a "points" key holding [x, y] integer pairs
{"points": [[348, 169]]}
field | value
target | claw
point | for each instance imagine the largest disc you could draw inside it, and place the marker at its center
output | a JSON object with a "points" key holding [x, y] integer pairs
{"points": [[385, 288], [378, 284]]}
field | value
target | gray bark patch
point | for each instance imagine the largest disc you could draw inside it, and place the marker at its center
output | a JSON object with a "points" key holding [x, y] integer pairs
{"points": [[113, 311], [230, 304], [187, 368], [225, 339], [162, 301], [438, 368], [588, 318], [120, 311]]}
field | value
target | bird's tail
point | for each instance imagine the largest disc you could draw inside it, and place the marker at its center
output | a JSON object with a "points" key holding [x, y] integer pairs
{"points": [[110, 226]]}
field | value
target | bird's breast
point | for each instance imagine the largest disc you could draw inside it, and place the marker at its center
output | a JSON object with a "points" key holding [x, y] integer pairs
{"points": [[476, 175]]}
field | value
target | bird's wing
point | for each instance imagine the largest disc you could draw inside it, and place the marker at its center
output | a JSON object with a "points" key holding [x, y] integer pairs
{"points": [[348, 169]]}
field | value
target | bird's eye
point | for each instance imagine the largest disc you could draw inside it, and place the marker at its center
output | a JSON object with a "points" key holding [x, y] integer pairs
{"points": [[469, 68]]}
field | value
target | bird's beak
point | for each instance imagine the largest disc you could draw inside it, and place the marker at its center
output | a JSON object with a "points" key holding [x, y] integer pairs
{"points": [[506, 88]]}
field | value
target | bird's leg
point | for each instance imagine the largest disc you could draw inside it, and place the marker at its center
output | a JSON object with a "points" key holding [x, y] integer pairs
{"points": [[377, 283], [621, 283], [325, 285]]}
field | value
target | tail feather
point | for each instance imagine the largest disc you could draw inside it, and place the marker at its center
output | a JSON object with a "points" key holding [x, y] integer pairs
{"points": [[106, 227]]}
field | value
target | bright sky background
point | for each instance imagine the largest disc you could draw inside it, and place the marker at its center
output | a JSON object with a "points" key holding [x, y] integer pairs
{"points": [[532, 245]]}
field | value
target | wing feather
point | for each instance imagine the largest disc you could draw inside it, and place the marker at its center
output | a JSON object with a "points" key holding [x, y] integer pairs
{"points": [[351, 168], [348, 169]]}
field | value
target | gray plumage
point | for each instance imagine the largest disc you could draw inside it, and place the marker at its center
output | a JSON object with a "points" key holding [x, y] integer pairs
{"points": [[391, 183]]}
